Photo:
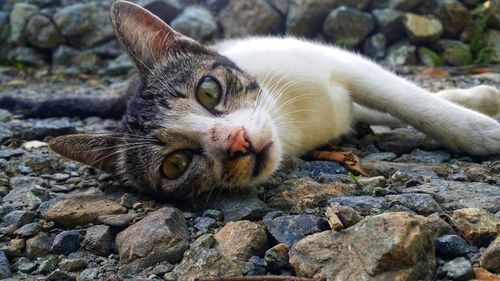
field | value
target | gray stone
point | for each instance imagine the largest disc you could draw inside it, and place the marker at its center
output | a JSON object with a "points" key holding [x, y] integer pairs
{"points": [[423, 29], [64, 55], [214, 214], [421, 156], [119, 220], [38, 246], [451, 246], [41, 32], [280, 5], [119, 66], [73, 264], [48, 127], [455, 52], [452, 14], [401, 53], [380, 156], [60, 276], [375, 46], [66, 242], [276, 259], [166, 10], [26, 55], [98, 240], [365, 205], [25, 193], [161, 236], [203, 259], [240, 18], [75, 19], [390, 23], [18, 218], [240, 206], [4, 266], [422, 204], [5, 132], [100, 32], [241, 240], [89, 274], [204, 224], [491, 257], [27, 267], [19, 17], [48, 265], [306, 17], [196, 22], [289, 229], [402, 5], [459, 269], [28, 230], [347, 26], [320, 168]]}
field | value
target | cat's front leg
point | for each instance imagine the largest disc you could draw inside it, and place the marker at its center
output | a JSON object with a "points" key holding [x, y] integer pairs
{"points": [[484, 99]]}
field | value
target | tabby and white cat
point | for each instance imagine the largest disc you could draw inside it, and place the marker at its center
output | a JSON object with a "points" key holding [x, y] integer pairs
{"points": [[224, 115]]}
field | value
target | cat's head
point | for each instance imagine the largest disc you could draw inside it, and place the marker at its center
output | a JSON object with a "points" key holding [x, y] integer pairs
{"points": [[197, 121]]}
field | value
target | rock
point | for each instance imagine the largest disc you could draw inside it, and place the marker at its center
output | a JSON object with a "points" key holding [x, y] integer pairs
{"points": [[75, 19], [422, 204], [204, 260], [80, 209], [66, 242], [452, 14], [4, 266], [28, 230], [451, 246], [8, 153], [60, 276], [25, 193], [381, 156], [41, 32], [455, 52], [454, 193], [490, 259], [38, 246], [422, 29], [245, 206], [5, 132], [276, 259], [333, 220], [119, 66], [390, 246], [422, 156], [390, 23], [240, 18], [306, 17], [18, 218], [365, 205], [15, 248], [347, 215], [296, 195], [164, 9], [374, 46], [402, 5], [19, 17], [48, 128], [257, 266], [48, 265], [205, 224], [241, 240], [26, 56], [98, 240], [477, 226], [484, 275], [459, 269], [119, 220], [320, 168], [214, 214], [27, 267], [429, 57], [347, 26], [100, 32], [64, 55], [196, 22], [161, 236], [379, 181], [401, 53], [289, 229], [72, 264]]}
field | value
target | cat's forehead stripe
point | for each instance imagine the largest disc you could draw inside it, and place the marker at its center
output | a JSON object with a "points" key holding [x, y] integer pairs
{"points": [[225, 63]]}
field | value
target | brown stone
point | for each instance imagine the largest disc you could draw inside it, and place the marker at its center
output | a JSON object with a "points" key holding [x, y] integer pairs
{"points": [[491, 257], [477, 226], [333, 219], [484, 275], [161, 236], [422, 29], [241, 240], [15, 248], [347, 215], [390, 246], [296, 195], [81, 209]]}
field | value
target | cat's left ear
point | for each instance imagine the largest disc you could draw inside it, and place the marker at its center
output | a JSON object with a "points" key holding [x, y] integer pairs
{"points": [[146, 37], [97, 150]]}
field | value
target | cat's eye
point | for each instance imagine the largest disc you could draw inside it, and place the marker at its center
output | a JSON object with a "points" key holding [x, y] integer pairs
{"points": [[176, 164], [208, 92]]}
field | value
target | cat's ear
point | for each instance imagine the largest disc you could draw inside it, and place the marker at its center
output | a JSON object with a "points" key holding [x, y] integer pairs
{"points": [[145, 36], [96, 150]]}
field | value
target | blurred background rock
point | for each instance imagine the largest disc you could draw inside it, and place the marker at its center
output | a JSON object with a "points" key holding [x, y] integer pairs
{"points": [[77, 37]]}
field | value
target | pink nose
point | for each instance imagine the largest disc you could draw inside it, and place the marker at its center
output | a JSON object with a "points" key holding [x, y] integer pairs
{"points": [[240, 143]]}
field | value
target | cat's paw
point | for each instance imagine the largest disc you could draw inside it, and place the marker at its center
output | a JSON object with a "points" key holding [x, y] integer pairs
{"points": [[486, 98], [482, 138]]}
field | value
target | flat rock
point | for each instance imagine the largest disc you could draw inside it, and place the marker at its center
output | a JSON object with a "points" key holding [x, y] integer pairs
{"points": [[161, 236], [423, 29], [390, 246], [243, 206], [289, 229], [79, 209], [490, 259], [365, 205], [422, 156], [98, 240], [203, 259], [18, 218], [296, 195], [118, 220], [26, 193], [46, 128], [477, 226], [241, 240], [347, 26], [422, 204]]}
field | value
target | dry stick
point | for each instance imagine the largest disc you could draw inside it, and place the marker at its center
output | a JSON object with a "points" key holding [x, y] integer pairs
{"points": [[257, 278]]}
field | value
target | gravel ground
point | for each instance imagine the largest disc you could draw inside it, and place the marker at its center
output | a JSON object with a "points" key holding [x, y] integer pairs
{"points": [[424, 213]]}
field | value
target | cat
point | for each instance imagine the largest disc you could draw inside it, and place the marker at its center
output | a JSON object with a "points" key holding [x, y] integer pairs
{"points": [[224, 115]]}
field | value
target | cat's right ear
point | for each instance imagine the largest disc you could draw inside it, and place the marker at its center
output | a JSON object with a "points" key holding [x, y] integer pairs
{"points": [[145, 37]]}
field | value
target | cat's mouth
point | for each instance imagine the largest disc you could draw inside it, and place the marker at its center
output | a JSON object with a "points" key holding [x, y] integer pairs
{"points": [[261, 159]]}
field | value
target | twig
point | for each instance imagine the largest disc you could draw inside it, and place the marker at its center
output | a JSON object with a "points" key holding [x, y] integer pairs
{"points": [[257, 278]]}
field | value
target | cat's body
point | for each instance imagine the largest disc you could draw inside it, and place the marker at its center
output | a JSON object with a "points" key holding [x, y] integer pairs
{"points": [[201, 117]]}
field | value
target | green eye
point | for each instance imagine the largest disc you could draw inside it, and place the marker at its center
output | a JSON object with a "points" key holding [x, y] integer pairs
{"points": [[176, 164], [208, 93]]}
